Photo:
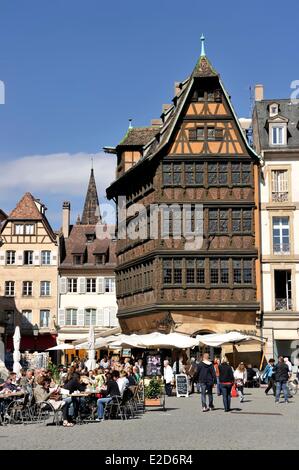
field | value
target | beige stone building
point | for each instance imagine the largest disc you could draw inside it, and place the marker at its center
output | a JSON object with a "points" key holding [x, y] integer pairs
{"points": [[276, 139], [28, 275]]}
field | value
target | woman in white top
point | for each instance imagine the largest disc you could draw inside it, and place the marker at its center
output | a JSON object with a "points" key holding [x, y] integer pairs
{"points": [[122, 382], [240, 375]]}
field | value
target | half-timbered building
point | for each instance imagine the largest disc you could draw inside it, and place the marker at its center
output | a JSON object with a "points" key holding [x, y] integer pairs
{"points": [[28, 275], [197, 154]]}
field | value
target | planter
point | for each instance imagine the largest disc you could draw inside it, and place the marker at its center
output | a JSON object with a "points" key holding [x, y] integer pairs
{"points": [[152, 401]]}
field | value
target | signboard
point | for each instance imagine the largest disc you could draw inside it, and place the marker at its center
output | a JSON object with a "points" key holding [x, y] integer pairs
{"points": [[153, 365], [182, 386], [126, 353]]}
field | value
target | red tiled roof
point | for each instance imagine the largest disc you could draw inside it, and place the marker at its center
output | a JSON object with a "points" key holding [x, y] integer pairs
{"points": [[26, 209]]}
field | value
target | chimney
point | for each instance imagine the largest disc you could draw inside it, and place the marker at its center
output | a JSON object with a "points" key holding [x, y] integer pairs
{"points": [[66, 213], [259, 92]]}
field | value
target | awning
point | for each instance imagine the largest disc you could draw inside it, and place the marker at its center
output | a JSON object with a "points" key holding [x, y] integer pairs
{"points": [[233, 337], [30, 343], [61, 347]]}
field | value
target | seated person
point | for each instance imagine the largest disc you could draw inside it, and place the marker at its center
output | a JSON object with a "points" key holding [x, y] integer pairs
{"points": [[111, 391], [131, 377], [42, 393], [100, 377], [26, 381], [11, 383], [122, 381], [72, 386]]}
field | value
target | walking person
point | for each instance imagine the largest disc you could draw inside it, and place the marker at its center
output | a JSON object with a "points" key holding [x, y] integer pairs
{"points": [[206, 378], [216, 367], [269, 377], [168, 378], [226, 380], [240, 376], [191, 372], [281, 378]]}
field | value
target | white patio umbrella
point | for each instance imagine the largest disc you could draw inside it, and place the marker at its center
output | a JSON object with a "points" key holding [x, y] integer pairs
{"points": [[160, 340], [233, 337], [126, 341], [91, 362], [61, 347], [16, 354]]}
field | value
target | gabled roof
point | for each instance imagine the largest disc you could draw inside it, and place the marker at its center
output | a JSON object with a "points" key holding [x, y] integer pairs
{"points": [[26, 209], [3, 216], [202, 69], [30, 209]]}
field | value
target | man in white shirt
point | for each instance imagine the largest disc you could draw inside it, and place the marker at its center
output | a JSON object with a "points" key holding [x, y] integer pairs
{"points": [[168, 378]]}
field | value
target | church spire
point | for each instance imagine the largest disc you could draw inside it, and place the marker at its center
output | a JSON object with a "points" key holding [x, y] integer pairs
{"points": [[91, 212]]}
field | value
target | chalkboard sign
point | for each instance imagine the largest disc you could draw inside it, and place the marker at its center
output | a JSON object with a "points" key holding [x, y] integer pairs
{"points": [[182, 389]]}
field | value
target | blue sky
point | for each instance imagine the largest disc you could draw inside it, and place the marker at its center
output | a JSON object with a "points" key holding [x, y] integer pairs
{"points": [[75, 71]]}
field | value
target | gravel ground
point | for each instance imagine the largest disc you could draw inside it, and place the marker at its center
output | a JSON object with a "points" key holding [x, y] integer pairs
{"points": [[255, 424]]}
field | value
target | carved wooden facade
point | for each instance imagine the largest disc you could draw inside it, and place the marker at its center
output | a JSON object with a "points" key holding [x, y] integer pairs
{"points": [[199, 155]]}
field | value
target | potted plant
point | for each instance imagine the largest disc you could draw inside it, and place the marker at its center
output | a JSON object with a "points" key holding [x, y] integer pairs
{"points": [[153, 392]]}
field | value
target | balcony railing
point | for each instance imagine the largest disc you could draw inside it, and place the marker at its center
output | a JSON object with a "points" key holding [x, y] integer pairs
{"points": [[281, 248], [280, 196], [283, 304]]}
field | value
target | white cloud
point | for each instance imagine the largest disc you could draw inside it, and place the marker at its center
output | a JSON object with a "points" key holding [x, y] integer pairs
{"points": [[55, 174]]}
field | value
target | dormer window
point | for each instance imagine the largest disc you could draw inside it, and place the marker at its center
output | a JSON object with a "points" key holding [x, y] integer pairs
{"points": [[278, 134], [77, 260], [273, 109], [90, 237]]}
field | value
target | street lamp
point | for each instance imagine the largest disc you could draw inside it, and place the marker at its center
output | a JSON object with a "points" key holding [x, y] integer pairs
{"points": [[35, 334]]}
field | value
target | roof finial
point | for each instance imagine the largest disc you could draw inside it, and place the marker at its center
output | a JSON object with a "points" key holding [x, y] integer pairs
{"points": [[203, 52], [130, 124]]}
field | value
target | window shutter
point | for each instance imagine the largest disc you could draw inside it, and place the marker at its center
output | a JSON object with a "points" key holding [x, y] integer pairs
{"points": [[100, 317], [82, 285], [80, 316], [63, 285], [19, 258], [36, 258], [113, 317], [100, 285], [2, 259], [61, 316], [106, 316], [53, 258]]}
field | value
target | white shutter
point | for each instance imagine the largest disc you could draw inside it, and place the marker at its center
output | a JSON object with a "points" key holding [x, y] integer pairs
{"points": [[36, 258], [100, 285], [19, 258], [100, 317], [113, 317], [2, 258], [80, 317], [106, 316], [82, 285], [53, 258], [61, 317], [63, 285]]}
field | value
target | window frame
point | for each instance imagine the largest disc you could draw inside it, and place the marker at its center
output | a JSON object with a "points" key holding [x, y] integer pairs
{"points": [[27, 289], [9, 289]]}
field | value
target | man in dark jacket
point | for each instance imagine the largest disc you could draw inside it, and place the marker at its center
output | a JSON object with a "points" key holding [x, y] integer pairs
{"points": [[281, 378], [112, 391], [206, 378], [73, 385]]}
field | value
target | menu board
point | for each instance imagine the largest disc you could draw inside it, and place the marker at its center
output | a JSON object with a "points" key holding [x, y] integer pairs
{"points": [[153, 365], [181, 381]]}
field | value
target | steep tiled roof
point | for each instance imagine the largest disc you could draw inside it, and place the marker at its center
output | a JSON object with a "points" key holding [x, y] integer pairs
{"points": [[287, 109], [77, 243], [26, 209], [3, 216], [139, 136]]}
